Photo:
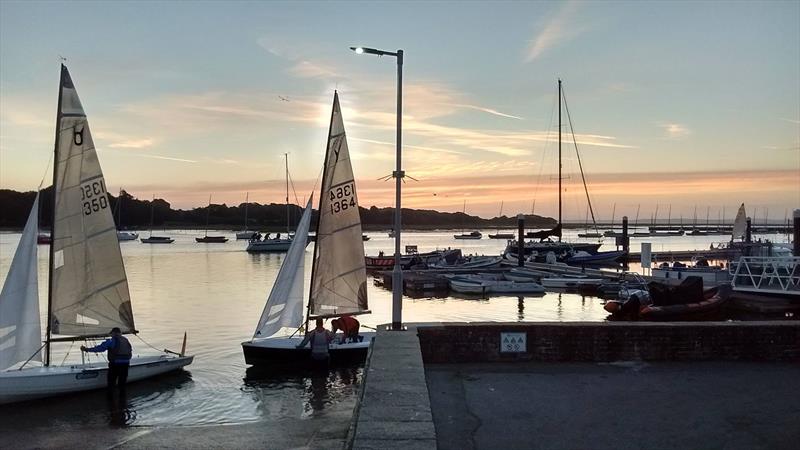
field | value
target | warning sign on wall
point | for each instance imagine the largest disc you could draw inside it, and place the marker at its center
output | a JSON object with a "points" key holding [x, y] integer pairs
{"points": [[512, 343]]}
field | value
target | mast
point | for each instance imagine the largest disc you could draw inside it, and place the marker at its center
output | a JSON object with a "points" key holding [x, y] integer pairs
{"points": [[319, 209], [669, 218], [208, 213], [286, 157], [559, 157], [53, 221], [613, 213], [152, 208], [246, 204]]}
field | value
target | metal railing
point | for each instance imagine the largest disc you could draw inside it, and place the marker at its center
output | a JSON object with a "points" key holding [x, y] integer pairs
{"points": [[766, 274]]}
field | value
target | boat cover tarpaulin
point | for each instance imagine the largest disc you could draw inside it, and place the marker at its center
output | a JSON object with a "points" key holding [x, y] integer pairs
{"points": [[544, 234], [689, 291]]}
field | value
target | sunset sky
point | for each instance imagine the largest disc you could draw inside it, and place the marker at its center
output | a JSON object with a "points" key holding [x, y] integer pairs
{"points": [[673, 103]]}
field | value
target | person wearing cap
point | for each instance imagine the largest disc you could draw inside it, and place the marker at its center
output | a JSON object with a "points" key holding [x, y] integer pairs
{"points": [[119, 358]]}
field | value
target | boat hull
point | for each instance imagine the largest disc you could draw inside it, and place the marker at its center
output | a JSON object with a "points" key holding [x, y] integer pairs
{"points": [[245, 234], [212, 239], [282, 351], [127, 236], [272, 245], [157, 240], [41, 382]]}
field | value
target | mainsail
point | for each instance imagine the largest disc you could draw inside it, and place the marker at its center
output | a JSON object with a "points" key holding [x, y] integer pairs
{"points": [[20, 330], [89, 289], [339, 276], [284, 308], [739, 224]]}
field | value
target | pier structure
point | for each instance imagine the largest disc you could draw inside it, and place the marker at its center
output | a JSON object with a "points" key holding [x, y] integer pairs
{"points": [[581, 385]]}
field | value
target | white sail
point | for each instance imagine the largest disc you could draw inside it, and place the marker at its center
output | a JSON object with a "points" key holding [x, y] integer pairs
{"points": [[89, 287], [20, 330], [339, 276], [284, 308], [739, 224]]}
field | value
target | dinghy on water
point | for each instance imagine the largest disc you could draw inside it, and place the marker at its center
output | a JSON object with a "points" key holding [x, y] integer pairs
{"points": [[88, 293], [338, 273], [276, 244]]}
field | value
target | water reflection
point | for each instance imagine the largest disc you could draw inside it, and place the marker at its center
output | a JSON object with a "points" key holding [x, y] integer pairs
{"points": [[319, 389]]}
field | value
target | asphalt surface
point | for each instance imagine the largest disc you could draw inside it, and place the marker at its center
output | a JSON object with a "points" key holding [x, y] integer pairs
{"points": [[615, 406]]}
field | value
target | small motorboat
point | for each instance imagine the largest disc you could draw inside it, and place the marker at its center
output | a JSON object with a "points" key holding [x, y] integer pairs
{"points": [[582, 257], [212, 239], [502, 236], [563, 282], [666, 301], [246, 234], [127, 236], [472, 235], [157, 240], [477, 284]]}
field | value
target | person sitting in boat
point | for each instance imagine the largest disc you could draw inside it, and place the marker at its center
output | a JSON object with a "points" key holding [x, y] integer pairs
{"points": [[349, 326], [319, 338], [119, 358]]}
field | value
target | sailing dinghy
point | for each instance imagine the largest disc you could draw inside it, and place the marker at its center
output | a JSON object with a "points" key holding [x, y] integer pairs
{"points": [[338, 273], [88, 292]]}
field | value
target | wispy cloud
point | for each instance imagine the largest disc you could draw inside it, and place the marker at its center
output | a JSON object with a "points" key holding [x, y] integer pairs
{"points": [[559, 28], [794, 121], [308, 69], [489, 110], [166, 158], [675, 130]]}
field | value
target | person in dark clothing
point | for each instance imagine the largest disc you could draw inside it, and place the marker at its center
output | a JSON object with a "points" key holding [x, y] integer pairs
{"points": [[120, 353], [349, 326]]}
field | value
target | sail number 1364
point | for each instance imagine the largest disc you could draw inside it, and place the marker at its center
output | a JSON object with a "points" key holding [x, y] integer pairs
{"points": [[93, 195], [342, 198]]}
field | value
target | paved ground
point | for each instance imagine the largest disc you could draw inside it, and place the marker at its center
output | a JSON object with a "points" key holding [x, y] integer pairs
{"points": [[616, 406]]}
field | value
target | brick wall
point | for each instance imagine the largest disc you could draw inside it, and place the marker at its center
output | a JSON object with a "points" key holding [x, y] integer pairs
{"points": [[613, 341]]}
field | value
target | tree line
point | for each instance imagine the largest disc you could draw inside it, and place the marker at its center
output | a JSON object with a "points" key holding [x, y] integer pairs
{"points": [[130, 212]]}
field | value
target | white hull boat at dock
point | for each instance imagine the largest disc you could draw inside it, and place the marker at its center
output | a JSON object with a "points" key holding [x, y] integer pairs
{"points": [[478, 285], [570, 282], [39, 382]]}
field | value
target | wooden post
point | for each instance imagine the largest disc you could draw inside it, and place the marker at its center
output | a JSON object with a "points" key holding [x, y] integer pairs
{"points": [[626, 243], [796, 217], [521, 240]]}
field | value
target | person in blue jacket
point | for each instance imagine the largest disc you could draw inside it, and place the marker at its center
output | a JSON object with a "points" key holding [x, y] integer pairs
{"points": [[119, 358]]}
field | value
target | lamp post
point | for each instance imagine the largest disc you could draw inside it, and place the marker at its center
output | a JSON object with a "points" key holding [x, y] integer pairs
{"points": [[398, 174]]}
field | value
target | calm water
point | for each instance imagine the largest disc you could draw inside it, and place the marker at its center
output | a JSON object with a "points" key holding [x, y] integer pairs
{"points": [[216, 292]]}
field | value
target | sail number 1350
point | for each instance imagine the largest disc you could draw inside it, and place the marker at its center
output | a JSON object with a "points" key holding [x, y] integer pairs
{"points": [[93, 195], [342, 198]]}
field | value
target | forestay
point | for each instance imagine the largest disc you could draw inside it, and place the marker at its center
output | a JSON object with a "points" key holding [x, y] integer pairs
{"points": [[339, 276], [740, 224], [89, 287], [20, 330], [284, 308]]}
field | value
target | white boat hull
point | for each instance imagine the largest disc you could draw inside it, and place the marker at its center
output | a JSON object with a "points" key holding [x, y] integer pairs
{"points": [[127, 236], [271, 245], [40, 382], [570, 282]]}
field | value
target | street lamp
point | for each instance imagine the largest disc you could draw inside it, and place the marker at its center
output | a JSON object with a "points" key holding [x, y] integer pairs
{"points": [[398, 174]]}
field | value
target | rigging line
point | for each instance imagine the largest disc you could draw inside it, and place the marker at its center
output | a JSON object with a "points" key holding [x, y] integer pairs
{"points": [[544, 150], [67, 354], [148, 344], [44, 175], [578, 153]]}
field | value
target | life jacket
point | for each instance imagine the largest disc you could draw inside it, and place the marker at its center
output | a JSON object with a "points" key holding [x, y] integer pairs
{"points": [[349, 325], [121, 349]]}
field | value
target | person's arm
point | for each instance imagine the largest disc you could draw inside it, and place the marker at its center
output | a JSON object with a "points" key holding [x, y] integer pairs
{"points": [[305, 340], [105, 345]]}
